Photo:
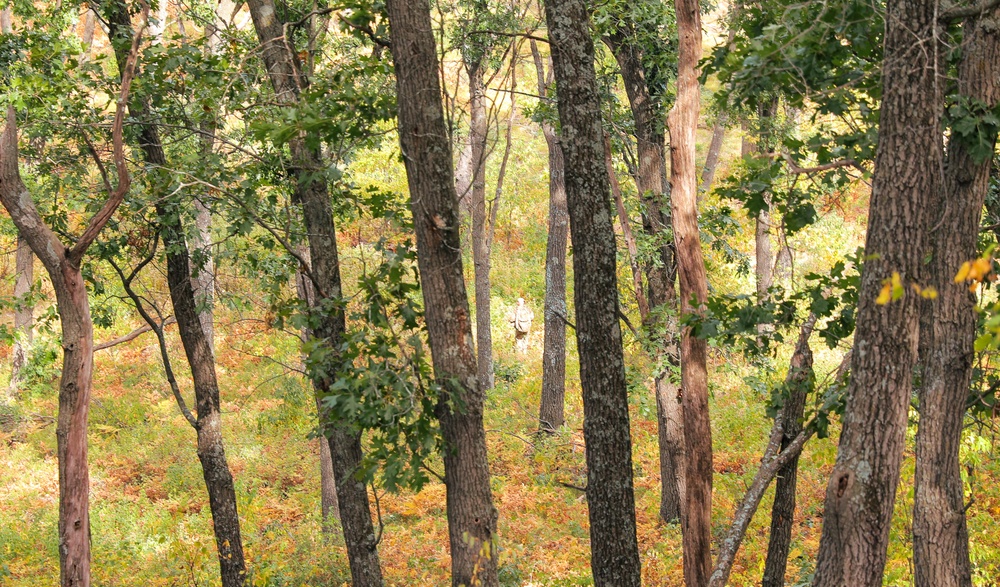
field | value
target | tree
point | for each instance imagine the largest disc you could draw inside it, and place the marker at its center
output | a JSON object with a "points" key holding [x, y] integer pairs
{"points": [[423, 139], [682, 123], [551, 414], [610, 494], [906, 183], [627, 44], [948, 323], [63, 265], [211, 448], [329, 324]]}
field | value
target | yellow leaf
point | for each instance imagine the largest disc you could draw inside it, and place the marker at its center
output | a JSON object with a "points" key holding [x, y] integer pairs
{"points": [[963, 272], [884, 295], [929, 293]]}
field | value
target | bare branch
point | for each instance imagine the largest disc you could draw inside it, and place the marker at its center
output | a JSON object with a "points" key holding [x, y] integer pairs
{"points": [[130, 336]]}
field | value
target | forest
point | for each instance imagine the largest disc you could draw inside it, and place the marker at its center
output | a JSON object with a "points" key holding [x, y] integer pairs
{"points": [[499, 293]]}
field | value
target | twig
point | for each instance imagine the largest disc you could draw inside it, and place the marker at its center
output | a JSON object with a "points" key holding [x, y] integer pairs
{"points": [[130, 336]]}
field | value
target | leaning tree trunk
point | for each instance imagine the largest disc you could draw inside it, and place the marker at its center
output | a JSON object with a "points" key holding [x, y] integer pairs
{"points": [[947, 331], [906, 183], [423, 138], [660, 276], [312, 193], [798, 383], [24, 262], [211, 450], [551, 414], [610, 494], [480, 246], [683, 122]]}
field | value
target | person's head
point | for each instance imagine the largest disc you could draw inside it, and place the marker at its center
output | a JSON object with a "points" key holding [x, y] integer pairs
{"points": [[520, 301]]}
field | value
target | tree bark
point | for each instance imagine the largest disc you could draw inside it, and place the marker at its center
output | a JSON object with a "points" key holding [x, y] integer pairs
{"points": [[211, 449], [63, 265], [682, 123], [423, 138], [480, 224], [653, 189], [610, 493], [783, 509], [906, 183], [551, 415], [714, 150], [947, 332], [312, 193], [626, 224], [24, 262]]}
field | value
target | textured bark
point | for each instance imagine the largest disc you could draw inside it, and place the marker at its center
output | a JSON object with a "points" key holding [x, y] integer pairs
{"points": [[652, 187], [551, 414], [947, 332], [329, 507], [313, 195], [480, 224], [906, 183], [610, 493], [24, 262], [423, 137], [790, 417], [682, 123], [211, 450]]}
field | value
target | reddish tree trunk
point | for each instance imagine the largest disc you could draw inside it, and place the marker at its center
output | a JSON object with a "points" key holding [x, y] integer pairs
{"points": [[682, 123]]}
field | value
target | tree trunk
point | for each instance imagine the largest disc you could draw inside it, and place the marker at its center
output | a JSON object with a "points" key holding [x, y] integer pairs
{"points": [[714, 150], [782, 451], [480, 246], [5, 21], [626, 224], [682, 122], [652, 187], [610, 493], [23, 314], [947, 332], [312, 193], [551, 415], [906, 183], [798, 382], [423, 137], [211, 450]]}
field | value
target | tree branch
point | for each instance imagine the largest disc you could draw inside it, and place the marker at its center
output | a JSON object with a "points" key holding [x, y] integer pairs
{"points": [[960, 12], [115, 198], [130, 336]]}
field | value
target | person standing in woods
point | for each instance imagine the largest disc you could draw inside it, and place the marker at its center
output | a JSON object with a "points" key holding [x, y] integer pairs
{"points": [[520, 317]]}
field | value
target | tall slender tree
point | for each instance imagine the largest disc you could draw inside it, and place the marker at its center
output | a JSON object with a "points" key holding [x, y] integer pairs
{"points": [[682, 123], [423, 139], [64, 267], [947, 325], [311, 191], [551, 414], [610, 494], [906, 183]]}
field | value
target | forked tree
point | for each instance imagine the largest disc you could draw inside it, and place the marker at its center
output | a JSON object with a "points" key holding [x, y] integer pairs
{"points": [[64, 263]]}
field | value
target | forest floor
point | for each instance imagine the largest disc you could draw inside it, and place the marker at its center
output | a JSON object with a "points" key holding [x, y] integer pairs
{"points": [[151, 524]]}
